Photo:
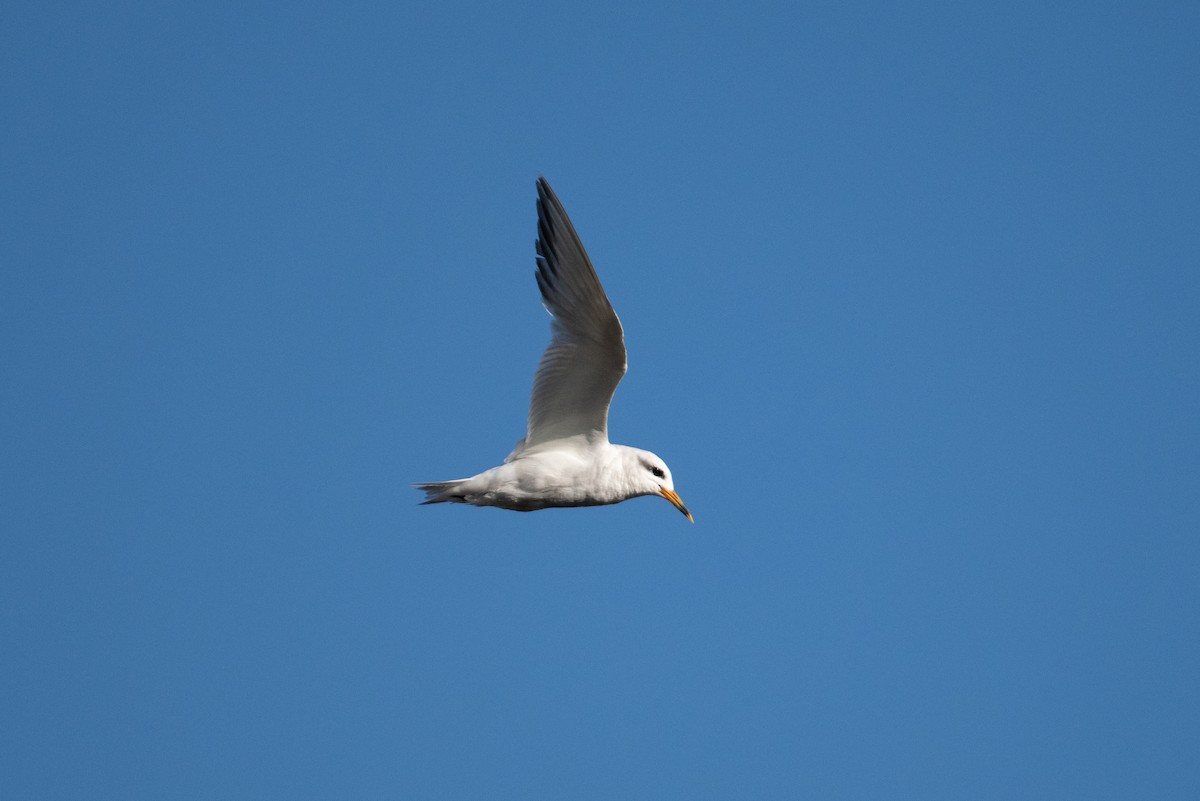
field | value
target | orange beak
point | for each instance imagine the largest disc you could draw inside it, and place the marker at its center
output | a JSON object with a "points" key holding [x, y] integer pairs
{"points": [[673, 497]]}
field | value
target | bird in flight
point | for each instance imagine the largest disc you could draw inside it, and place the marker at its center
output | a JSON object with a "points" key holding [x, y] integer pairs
{"points": [[565, 458]]}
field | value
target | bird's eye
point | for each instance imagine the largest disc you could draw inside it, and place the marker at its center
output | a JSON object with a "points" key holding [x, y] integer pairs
{"points": [[657, 471]]}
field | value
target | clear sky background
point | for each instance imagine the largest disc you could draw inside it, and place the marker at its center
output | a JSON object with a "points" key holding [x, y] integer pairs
{"points": [[912, 300]]}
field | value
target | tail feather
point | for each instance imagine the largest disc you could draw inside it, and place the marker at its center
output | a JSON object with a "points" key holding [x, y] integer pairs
{"points": [[442, 491]]}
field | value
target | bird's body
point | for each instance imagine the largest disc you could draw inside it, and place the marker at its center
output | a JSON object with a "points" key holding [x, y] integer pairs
{"points": [[565, 458], [574, 473]]}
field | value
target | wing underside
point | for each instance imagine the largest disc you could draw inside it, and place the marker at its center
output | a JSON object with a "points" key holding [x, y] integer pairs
{"points": [[585, 360]]}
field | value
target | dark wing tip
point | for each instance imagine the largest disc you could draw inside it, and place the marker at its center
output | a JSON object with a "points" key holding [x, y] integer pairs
{"points": [[547, 198]]}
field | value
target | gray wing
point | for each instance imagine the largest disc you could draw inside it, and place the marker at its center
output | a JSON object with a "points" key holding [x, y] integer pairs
{"points": [[585, 361]]}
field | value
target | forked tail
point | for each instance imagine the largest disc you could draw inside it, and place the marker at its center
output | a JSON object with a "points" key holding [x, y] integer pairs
{"points": [[442, 491]]}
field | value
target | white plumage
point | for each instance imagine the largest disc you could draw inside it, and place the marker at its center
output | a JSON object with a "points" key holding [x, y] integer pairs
{"points": [[566, 458]]}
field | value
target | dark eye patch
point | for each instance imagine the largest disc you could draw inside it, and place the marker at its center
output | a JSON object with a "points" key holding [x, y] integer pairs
{"points": [[658, 473]]}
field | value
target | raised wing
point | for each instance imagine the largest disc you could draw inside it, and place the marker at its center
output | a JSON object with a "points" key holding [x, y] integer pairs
{"points": [[585, 361]]}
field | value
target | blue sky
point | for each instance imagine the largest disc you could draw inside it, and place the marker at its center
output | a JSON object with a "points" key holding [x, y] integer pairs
{"points": [[911, 296]]}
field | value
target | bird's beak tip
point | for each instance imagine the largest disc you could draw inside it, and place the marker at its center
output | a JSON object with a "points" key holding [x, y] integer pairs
{"points": [[674, 498]]}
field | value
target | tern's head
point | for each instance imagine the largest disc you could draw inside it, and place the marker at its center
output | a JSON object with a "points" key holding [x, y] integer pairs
{"points": [[651, 476]]}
